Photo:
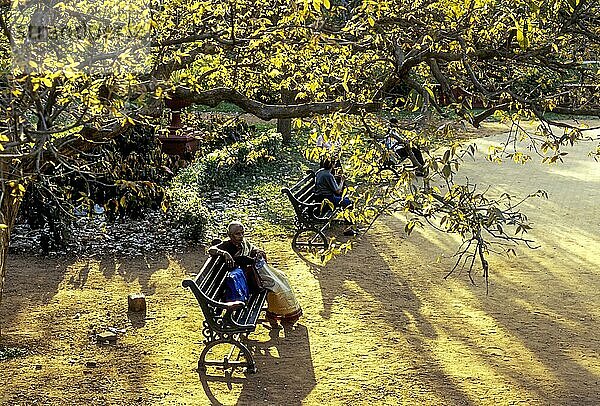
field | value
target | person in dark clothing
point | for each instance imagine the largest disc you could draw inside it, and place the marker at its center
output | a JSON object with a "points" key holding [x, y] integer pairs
{"points": [[403, 149], [236, 250], [327, 187], [236, 247]]}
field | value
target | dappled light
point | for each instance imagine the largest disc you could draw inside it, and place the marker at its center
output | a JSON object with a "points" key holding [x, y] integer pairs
{"points": [[381, 324], [420, 181]]}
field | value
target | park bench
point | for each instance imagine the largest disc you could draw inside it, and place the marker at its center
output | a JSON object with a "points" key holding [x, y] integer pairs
{"points": [[225, 324], [312, 218]]}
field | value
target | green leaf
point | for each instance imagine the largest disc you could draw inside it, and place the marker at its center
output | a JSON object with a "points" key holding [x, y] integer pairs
{"points": [[446, 156], [447, 171]]}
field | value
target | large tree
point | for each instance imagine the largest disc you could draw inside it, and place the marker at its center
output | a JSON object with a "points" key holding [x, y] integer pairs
{"points": [[76, 73]]}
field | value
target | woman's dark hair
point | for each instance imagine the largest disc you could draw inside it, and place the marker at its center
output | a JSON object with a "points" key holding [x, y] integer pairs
{"points": [[393, 120]]}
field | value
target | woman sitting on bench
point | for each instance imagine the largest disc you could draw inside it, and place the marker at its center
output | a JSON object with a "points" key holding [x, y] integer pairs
{"points": [[281, 301]]}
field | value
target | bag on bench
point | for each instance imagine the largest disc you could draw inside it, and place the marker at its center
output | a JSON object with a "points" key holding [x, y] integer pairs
{"points": [[236, 286], [252, 277]]}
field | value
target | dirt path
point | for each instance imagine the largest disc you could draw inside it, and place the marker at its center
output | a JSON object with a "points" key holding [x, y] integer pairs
{"points": [[381, 326]]}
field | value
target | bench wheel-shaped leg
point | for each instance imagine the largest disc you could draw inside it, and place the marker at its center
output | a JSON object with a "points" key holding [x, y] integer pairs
{"points": [[310, 239], [389, 172], [226, 354]]}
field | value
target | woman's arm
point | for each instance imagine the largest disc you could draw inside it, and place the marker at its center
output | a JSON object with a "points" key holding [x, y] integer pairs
{"points": [[256, 252], [215, 250]]}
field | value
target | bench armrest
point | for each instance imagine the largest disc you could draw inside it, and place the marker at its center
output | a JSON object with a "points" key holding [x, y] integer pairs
{"points": [[237, 304], [201, 297]]}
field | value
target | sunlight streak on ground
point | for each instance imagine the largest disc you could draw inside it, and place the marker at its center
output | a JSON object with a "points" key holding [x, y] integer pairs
{"points": [[551, 289]]}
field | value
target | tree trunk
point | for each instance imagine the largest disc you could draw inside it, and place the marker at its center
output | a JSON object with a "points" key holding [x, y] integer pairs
{"points": [[9, 208], [284, 125]]}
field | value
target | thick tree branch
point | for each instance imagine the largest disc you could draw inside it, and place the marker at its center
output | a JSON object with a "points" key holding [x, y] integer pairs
{"points": [[264, 111], [577, 112], [478, 119]]}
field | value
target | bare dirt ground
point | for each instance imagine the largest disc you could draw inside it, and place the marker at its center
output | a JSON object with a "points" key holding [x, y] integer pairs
{"points": [[381, 326]]}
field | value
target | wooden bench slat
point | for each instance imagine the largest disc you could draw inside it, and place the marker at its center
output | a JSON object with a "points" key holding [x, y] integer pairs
{"points": [[213, 283], [303, 187], [249, 314], [307, 196]]}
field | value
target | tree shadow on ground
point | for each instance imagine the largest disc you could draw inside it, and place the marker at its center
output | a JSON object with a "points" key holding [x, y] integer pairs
{"points": [[540, 313], [36, 275], [192, 260], [54, 306], [554, 320], [273, 384], [547, 299], [363, 279], [32, 284], [364, 267]]}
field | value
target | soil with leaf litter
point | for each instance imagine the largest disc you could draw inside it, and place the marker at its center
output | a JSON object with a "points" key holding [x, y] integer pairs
{"points": [[380, 325]]}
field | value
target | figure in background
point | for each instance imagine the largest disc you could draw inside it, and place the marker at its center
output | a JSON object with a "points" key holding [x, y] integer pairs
{"points": [[321, 143], [330, 151], [403, 149], [281, 301]]}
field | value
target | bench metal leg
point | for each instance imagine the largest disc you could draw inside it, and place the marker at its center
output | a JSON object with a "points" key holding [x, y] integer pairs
{"points": [[310, 239], [226, 353], [389, 171]]}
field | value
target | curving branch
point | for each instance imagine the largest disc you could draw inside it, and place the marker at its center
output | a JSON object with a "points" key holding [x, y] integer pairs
{"points": [[264, 111]]}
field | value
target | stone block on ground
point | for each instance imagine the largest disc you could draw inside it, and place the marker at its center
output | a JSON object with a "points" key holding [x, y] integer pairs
{"points": [[106, 336], [136, 302]]}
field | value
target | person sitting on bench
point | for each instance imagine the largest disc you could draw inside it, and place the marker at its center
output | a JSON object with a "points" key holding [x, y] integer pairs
{"points": [[327, 187], [403, 149], [281, 301]]}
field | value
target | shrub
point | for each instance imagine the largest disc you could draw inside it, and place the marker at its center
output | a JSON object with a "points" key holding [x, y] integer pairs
{"points": [[186, 207], [218, 130], [129, 179], [188, 211], [216, 168]]}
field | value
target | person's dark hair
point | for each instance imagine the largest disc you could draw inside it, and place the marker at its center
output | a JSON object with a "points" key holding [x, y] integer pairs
{"points": [[393, 120], [326, 163]]}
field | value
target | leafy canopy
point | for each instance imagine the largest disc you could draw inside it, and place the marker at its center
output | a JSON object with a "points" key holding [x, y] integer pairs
{"points": [[75, 73]]}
